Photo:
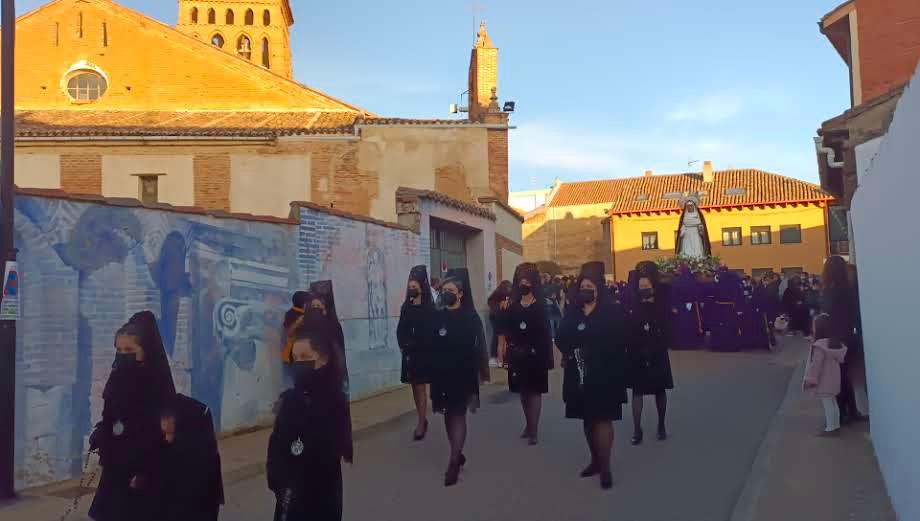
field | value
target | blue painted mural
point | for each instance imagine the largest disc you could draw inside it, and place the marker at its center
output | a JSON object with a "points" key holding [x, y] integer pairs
{"points": [[219, 288]]}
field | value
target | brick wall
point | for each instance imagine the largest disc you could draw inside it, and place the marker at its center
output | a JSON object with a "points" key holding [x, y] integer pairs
{"points": [[498, 162], [450, 180], [81, 173], [889, 43], [212, 181], [483, 77]]}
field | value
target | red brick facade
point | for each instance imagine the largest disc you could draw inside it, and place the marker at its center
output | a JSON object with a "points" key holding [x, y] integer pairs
{"points": [[889, 43], [212, 181], [81, 173]]}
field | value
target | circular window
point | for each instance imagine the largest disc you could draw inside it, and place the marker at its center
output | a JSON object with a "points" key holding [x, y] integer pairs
{"points": [[86, 86]]}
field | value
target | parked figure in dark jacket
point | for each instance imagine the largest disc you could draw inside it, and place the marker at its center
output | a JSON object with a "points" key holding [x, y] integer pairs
{"points": [[840, 302], [305, 449], [414, 334], [796, 310], [524, 331], [129, 436], [189, 480], [592, 338], [648, 366]]}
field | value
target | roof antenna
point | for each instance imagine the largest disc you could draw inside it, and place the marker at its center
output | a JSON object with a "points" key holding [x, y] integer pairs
{"points": [[477, 10], [691, 162]]}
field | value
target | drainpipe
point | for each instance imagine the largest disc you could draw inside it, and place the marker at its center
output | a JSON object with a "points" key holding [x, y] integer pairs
{"points": [[831, 154]]}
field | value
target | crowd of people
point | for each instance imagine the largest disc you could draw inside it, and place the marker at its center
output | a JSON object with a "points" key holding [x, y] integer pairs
{"points": [[158, 450]]}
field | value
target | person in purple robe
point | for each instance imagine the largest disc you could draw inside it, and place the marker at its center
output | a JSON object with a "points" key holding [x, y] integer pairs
{"points": [[726, 312], [707, 305], [687, 320]]}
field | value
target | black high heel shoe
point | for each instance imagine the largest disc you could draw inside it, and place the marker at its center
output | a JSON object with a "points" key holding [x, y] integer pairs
{"points": [[416, 436], [606, 480], [637, 438], [590, 470], [453, 474]]}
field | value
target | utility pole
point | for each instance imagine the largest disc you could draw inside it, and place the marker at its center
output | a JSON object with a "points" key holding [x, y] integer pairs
{"points": [[8, 250]]}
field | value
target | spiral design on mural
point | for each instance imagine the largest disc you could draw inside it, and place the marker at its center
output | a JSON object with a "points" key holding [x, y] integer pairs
{"points": [[228, 318]]}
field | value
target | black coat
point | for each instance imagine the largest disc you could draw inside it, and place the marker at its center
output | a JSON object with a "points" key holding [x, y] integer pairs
{"points": [[459, 358], [414, 335], [530, 347], [128, 439], [843, 307], [594, 353], [648, 365], [305, 448], [188, 478]]}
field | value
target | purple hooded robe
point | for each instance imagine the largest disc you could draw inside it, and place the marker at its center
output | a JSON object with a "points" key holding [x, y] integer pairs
{"points": [[686, 318]]}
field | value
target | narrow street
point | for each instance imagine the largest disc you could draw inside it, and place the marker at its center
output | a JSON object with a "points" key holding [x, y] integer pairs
{"points": [[718, 416]]}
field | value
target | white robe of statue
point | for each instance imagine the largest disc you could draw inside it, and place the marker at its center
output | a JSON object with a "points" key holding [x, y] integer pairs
{"points": [[691, 234]]}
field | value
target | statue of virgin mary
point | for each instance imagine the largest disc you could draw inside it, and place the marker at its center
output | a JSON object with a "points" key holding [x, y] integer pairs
{"points": [[693, 236]]}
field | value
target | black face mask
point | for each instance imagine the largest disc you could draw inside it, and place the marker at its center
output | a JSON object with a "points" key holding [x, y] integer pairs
{"points": [[413, 293], [646, 293], [125, 361], [525, 289], [304, 373], [586, 296], [448, 298]]}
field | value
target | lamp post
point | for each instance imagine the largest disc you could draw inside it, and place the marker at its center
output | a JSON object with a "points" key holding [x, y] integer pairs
{"points": [[7, 249]]}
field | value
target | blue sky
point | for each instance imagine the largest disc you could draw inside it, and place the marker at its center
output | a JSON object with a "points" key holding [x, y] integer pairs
{"points": [[604, 88]]}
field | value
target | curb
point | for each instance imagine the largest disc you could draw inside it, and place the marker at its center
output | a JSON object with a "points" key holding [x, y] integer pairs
{"points": [[749, 499]]}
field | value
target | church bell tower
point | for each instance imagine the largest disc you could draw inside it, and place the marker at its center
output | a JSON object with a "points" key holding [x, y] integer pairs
{"points": [[258, 31]]}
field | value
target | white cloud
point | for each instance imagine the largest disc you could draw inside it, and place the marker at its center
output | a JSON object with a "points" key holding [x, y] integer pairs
{"points": [[710, 109]]}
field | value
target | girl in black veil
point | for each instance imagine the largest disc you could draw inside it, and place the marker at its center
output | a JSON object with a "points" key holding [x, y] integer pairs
{"points": [[526, 344], [323, 314], [461, 363], [189, 480], [414, 336], [306, 448], [591, 339], [129, 436]]}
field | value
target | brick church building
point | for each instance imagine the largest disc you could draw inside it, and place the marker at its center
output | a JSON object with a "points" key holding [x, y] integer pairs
{"points": [[207, 114]]}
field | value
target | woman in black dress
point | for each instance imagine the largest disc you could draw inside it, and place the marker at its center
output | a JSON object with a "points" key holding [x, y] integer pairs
{"points": [[129, 436], [460, 364], [309, 439], [525, 342], [648, 366], [189, 481], [323, 316], [414, 336], [591, 338]]}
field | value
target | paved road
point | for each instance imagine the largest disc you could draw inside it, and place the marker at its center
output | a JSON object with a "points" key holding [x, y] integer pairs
{"points": [[719, 414]]}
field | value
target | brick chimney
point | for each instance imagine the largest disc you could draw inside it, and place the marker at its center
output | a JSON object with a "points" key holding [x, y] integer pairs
{"points": [[649, 173], [483, 80], [707, 172]]}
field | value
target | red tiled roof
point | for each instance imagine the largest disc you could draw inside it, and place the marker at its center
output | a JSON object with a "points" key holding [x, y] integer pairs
{"points": [[728, 188], [69, 123], [410, 194]]}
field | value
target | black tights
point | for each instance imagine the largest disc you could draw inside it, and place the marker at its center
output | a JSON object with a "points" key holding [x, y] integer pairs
{"points": [[599, 435], [532, 404], [455, 425], [661, 402]]}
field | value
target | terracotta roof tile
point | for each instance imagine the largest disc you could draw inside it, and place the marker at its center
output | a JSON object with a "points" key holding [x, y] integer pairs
{"points": [[68, 123], [408, 194], [729, 188]]}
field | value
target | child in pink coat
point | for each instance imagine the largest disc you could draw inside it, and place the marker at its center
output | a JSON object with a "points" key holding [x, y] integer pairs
{"points": [[822, 371]]}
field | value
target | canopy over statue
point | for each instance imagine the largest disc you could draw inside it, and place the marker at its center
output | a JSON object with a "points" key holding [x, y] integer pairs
{"points": [[693, 236]]}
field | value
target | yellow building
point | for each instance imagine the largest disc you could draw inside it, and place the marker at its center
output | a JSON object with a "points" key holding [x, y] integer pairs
{"points": [[757, 221]]}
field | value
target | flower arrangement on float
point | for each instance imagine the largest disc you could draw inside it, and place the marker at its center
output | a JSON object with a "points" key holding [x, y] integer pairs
{"points": [[702, 267]]}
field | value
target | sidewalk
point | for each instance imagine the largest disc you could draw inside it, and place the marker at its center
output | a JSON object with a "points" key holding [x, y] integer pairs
{"points": [[799, 476], [242, 456]]}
